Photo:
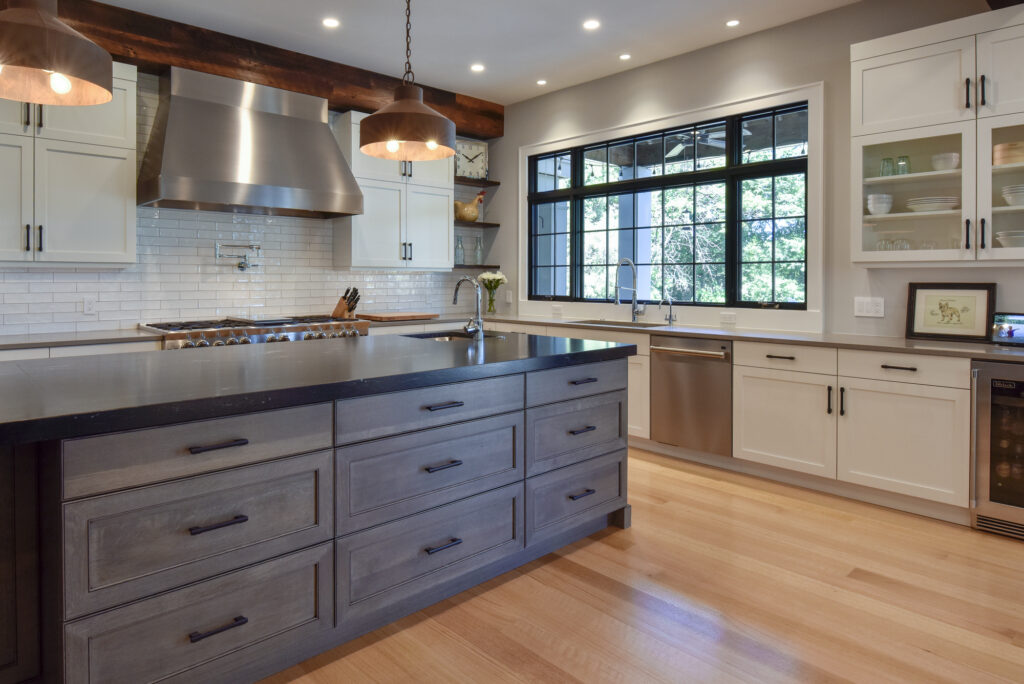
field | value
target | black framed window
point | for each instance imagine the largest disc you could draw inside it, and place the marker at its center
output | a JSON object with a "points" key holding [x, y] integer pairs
{"points": [[713, 214]]}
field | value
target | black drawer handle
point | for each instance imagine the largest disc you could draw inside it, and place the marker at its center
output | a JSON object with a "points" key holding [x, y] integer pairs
{"points": [[968, 90], [903, 368], [237, 520], [214, 447], [28, 238], [442, 407], [783, 358], [199, 636], [589, 428], [585, 492], [982, 79], [830, 400], [431, 550], [842, 401], [584, 381], [446, 466]]}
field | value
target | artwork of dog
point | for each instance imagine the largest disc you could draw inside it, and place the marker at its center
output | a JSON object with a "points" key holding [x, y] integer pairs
{"points": [[948, 314]]}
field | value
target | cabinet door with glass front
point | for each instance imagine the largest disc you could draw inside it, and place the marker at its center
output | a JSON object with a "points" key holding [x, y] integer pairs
{"points": [[914, 195], [1001, 187]]}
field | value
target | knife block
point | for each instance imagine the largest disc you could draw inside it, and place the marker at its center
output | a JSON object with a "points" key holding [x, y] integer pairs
{"points": [[342, 310]]}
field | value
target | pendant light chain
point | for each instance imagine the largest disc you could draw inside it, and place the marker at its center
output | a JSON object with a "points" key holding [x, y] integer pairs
{"points": [[409, 77]]}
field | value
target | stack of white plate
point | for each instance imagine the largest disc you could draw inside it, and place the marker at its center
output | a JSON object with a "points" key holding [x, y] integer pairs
{"points": [[933, 203], [1010, 238], [1014, 195]]}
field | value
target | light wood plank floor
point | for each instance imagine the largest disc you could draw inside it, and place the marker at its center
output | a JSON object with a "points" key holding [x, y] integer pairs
{"points": [[722, 578]]}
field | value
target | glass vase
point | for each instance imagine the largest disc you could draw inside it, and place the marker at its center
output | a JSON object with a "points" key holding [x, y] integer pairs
{"points": [[490, 301]]}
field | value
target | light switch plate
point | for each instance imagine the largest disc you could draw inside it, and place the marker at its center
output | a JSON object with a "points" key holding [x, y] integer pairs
{"points": [[869, 307], [508, 296]]}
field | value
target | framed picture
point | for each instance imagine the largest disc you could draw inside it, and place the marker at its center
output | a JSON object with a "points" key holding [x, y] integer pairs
{"points": [[951, 311]]}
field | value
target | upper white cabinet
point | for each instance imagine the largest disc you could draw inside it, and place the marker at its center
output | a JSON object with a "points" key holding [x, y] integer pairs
{"points": [[429, 227], [1000, 210], [1001, 71], [16, 169], [438, 174], [111, 124], [916, 87], [16, 117]]}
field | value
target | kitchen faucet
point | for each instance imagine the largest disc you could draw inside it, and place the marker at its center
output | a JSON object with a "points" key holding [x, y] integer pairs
{"points": [[637, 309], [475, 327], [670, 319]]}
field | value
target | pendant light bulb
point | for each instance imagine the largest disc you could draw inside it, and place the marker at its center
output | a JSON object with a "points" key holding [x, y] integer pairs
{"points": [[59, 83], [392, 146], [431, 145]]}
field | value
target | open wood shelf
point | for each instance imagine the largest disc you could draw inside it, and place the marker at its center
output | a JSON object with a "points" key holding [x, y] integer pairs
{"points": [[476, 182], [482, 267], [476, 224]]}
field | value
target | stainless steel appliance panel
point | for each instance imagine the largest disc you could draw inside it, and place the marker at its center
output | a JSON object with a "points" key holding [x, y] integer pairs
{"points": [[997, 502], [691, 394]]}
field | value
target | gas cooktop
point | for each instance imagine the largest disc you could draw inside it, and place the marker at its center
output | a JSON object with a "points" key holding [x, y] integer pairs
{"points": [[232, 331]]}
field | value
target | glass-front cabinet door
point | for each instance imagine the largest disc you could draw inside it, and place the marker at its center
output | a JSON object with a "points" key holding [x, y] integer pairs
{"points": [[1001, 187], [914, 195]]}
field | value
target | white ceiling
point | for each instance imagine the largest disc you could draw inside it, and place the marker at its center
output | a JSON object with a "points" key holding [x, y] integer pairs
{"points": [[519, 41]]}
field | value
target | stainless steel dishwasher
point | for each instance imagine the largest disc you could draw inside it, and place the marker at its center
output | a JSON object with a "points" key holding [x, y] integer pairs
{"points": [[691, 393]]}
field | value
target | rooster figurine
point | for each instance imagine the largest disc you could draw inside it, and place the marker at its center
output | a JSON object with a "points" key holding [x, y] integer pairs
{"points": [[469, 211]]}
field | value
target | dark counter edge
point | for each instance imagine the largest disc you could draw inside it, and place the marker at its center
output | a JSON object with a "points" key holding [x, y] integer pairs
{"points": [[154, 415]]}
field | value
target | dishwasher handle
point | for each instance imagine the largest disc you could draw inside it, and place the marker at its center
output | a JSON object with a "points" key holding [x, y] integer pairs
{"points": [[698, 353]]}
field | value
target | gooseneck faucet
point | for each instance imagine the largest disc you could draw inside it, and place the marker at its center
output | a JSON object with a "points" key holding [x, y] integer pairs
{"points": [[670, 318], [475, 327], [637, 309]]}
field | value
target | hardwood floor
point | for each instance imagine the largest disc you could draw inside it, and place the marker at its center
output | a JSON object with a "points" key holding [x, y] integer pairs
{"points": [[722, 578]]}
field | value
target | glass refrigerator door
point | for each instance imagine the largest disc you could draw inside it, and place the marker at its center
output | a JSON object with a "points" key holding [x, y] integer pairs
{"points": [[1006, 464]]}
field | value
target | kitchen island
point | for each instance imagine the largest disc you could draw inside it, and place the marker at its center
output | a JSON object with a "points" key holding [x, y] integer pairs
{"points": [[219, 515]]}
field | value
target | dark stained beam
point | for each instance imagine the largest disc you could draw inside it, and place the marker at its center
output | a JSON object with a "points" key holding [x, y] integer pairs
{"points": [[1000, 4], [153, 44]]}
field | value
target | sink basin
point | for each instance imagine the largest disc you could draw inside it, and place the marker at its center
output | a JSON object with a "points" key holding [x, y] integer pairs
{"points": [[623, 324], [453, 336]]}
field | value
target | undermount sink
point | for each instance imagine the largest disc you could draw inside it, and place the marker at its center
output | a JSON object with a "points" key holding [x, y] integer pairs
{"points": [[453, 336], [623, 324]]}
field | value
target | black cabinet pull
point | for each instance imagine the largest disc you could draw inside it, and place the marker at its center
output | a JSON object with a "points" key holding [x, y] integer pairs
{"points": [[584, 381], [902, 368], [842, 401], [237, 520], [431, 550], [589, 428], [28, 115], [39, 247], [585, 492], [983, 90], [982, 243], [783, 358], [199, 636], [39, 123], [410, 169], [968, 90], [967, 245], [446, 466], [449, 405], [214, 447], [830, 400], [410, 251], [28, 238]]}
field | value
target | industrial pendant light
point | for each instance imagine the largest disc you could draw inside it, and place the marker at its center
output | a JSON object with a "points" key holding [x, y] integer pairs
{"points": [[45, 61], [407, 129]]}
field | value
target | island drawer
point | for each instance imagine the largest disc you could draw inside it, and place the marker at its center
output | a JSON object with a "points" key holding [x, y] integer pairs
{"points": [[572, 382], [385, 479], [918, 369], [793, 357], [560, 500], [384, 566], [572, 431], [94, 465], [204, 632], [123, 546], [383, 415]]}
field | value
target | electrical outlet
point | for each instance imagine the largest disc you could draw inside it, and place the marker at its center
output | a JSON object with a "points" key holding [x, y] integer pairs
{"points": [[556, 310], [508, 296], [727, 317], [869, 307], [89, 304]]}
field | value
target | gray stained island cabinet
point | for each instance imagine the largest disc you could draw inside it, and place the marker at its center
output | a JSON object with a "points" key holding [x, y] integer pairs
{"points": [[194, 541]]}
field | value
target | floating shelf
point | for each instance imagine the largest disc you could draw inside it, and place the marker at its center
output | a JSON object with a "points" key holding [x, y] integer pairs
{"points": [[476, 182], [1008, 168], [482, 267], [910, 215], [911, 177], [476, 224]]}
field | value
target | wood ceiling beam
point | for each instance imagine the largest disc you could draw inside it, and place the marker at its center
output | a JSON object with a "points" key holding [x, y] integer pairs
{"points": [[153, 44]]}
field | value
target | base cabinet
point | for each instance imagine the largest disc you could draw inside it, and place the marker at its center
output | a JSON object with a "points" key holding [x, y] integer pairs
{"points": [[19, 585]]}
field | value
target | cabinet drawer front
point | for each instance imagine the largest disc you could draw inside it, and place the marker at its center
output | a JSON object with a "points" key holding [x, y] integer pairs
{"points": [[383, 415], [558, 500], [385, 479], [94, 465], [561, 384], [131, 544], [566, 433], [383, 566], [642, 342], [793, 357], [270, 605], [941, 371]]}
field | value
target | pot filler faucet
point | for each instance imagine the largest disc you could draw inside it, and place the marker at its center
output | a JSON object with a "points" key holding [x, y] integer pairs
{"points": [[637, 309], [475, 327]]}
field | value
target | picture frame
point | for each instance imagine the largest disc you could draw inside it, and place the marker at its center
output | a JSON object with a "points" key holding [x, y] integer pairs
{"points": [[953, 312]]}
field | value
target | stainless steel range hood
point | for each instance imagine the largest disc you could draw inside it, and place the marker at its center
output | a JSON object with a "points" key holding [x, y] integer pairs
{"points": [[219, 144]]}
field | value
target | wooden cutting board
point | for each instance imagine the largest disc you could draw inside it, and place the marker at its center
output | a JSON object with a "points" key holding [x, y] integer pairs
{"points": [[397, 316]]}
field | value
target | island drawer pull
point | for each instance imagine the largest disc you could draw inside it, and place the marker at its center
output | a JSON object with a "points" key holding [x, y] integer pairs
{"points": [[585, 492], [782, 358], [199, 636], [431, 550], [584, 381], [237, 520], [886, 366], [589, 428], [214, 447], [446, 466], [449, 405]]}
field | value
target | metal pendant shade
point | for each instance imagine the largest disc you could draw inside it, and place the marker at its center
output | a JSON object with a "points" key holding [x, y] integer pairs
{"points": [[407, 129], [45, 61]]}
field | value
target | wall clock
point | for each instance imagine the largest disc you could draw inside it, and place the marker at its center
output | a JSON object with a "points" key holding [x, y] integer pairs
{"points": [[471, 159]]}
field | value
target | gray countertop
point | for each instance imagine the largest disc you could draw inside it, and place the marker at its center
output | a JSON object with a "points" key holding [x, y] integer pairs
{"points": [[75, 339]]}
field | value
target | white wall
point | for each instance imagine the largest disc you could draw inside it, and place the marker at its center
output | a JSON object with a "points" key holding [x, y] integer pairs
{"points": [[812, 50]]}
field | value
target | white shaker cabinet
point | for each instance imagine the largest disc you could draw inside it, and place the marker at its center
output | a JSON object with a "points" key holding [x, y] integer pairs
{"points": [[111, 124], [438, 174], [16, 170], [429, 227], [1001, 71], [639, 395], [16, 117]]}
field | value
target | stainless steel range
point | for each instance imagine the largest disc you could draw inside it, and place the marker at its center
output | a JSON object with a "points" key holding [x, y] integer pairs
{"points": [[232, 331]]}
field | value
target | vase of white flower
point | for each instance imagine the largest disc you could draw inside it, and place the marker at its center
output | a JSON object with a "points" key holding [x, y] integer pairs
{"points": [[492, 281]]}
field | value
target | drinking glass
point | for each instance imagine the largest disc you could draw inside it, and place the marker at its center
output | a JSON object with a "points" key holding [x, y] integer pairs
{"points": [[903, 166], [888, 167]]}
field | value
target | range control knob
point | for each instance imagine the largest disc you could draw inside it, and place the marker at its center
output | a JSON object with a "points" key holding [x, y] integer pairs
{"points": [[309, 335], [244, 339], [219, 342], [232, 341], [320, 334], [188, 344], [203, 342]]}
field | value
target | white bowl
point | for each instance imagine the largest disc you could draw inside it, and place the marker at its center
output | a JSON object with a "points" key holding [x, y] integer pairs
{"points": [[876, 208], [879, 197], [946, 161], [1014, 199], [1010, 240]]}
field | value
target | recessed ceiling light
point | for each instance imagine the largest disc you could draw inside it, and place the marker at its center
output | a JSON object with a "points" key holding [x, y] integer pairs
{"points": [[476, 67], [732, 22], [331, 22], [542, 82], [624, 56], [591, 24]]}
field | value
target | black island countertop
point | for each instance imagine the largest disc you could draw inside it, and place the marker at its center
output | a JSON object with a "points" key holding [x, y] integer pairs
{"points": [[50, 399]]}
